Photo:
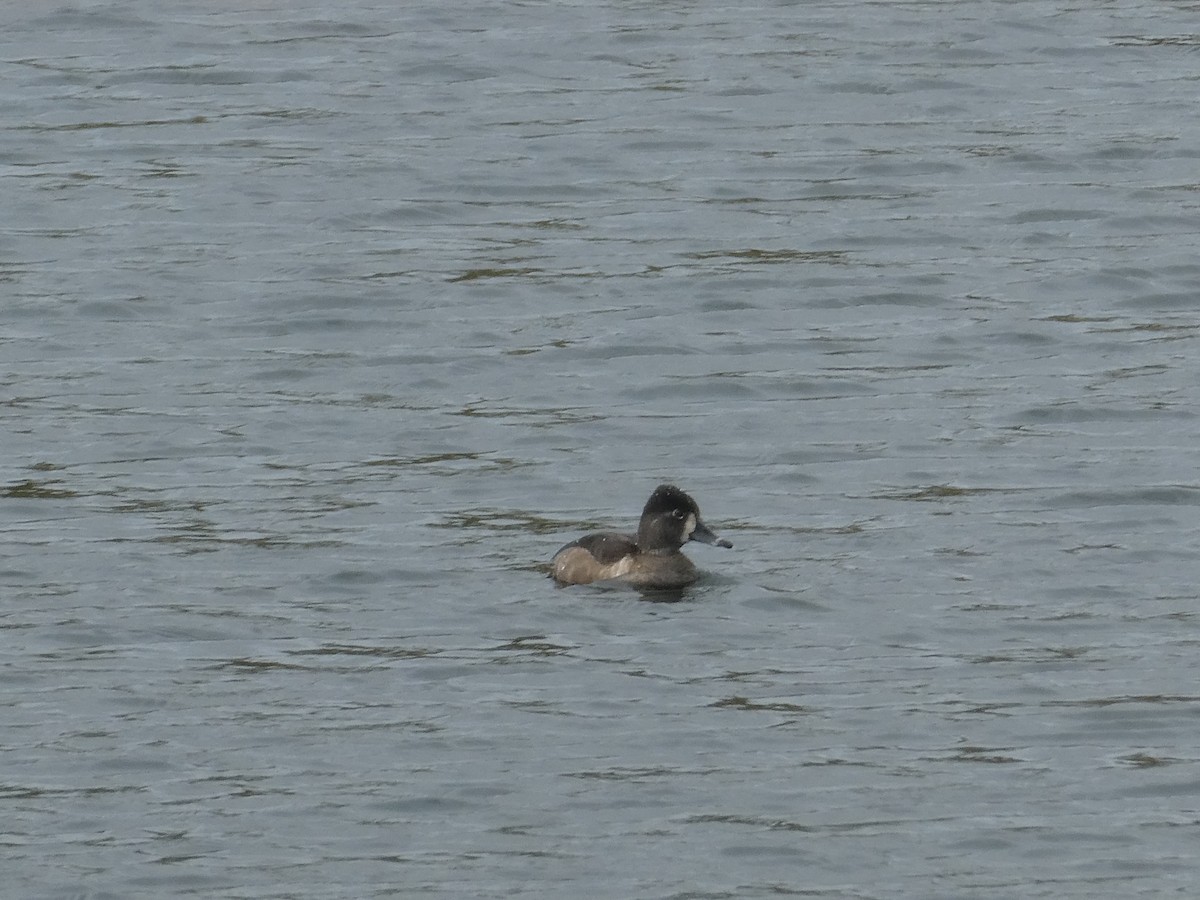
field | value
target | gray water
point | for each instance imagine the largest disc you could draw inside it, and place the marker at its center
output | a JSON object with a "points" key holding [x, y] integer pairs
{"points": [[322, 326]]}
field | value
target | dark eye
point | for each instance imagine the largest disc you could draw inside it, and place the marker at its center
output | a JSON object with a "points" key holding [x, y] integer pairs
{"points": [[678, 514]]}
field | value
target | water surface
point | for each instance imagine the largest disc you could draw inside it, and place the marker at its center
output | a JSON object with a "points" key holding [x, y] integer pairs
{"points": [[325, 325]]}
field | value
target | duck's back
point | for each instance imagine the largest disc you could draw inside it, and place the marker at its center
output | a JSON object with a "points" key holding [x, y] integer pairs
{"points": [[594, 557]]}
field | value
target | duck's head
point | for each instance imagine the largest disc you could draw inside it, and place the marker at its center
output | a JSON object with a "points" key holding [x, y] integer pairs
{"points": [[670, 519]]}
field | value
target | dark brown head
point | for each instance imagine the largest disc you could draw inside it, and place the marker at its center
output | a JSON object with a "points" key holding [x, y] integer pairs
{"points": [[670, 519]]}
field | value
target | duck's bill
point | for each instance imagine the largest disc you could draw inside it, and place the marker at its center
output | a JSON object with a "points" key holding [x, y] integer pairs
{"points": [[705, 535]]}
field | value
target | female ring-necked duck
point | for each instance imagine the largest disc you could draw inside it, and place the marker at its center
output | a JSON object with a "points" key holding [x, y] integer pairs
{"points": [[651, 558]]}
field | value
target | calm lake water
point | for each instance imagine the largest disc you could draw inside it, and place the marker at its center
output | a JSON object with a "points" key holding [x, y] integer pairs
{"points": [[324, 325]]}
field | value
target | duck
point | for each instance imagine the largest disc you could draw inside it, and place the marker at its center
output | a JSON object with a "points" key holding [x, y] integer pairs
{"points": [[649, 559]]}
